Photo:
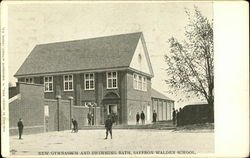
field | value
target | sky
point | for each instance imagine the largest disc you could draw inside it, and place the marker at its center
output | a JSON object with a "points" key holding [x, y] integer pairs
{"points": [[36, 23]]}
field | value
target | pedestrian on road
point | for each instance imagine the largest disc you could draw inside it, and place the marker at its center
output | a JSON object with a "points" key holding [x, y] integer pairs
{"points": [[76, 126], [137, 118], [89, 118], [154, 116], [73, 125], [92, 118], [174, 116], [20, 128], [142, 118], [108, 126]]}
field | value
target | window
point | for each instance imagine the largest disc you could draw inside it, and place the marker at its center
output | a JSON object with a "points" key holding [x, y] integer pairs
{"points": [[68, 82], [28, 80], [48, 84], [135, 83], [111, 80], [89, 81], [140, 82], [144, 84]]}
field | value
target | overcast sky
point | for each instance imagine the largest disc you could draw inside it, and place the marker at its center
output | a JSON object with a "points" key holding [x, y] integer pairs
{"points": [[31, 24]]}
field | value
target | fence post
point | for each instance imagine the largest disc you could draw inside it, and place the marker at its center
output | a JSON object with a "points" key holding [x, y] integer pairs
{"points": [[58, 97], [70, 110]]}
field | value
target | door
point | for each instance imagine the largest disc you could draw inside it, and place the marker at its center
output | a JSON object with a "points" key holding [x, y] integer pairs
{"points": [[112, 110]]}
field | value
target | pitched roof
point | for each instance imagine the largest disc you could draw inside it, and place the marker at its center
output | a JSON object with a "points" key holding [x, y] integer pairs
{"points": [[87, 54], [156, 94]]}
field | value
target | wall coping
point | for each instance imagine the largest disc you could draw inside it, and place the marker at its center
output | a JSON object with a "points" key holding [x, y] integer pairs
{"points": [[33, 84]]}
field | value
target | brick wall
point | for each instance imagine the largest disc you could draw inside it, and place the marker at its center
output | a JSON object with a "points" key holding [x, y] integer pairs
{"points": [[29, 107], [64, 115], [138, 101]]}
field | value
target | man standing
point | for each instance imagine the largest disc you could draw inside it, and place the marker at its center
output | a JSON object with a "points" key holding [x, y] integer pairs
{"points": [[20, 128], [137, 118], [174, 116], [73, 125], [76, 126], [154, 116], [108, 126], [142, 117], [89, 118]]}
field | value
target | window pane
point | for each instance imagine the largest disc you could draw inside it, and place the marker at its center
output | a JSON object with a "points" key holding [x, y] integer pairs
{"points": [[70, 77], [46, 87], [109, 83], [114, 82], [109, 75], [45, 79], [26, 80], [91, 84], [114, 74], [91, 76], [86, 76], [50, 87], [66, 86], [50, 79], [31, 80], [70, 85], [66, 78], [87, 85]]}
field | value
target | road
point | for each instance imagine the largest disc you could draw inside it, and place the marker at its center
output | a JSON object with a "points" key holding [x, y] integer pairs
{"points": [[131, 141]]}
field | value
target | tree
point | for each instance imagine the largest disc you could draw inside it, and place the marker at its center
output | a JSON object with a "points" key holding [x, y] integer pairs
{"points": [[191, 62]]}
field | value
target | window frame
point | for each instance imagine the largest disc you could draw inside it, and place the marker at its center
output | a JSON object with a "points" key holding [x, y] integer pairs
{"points": [[68, 82], [144, 83], [30, 79], [48, 82], [89, 80], [137, 82], [112, 80]]}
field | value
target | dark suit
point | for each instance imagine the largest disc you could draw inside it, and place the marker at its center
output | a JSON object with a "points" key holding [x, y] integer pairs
{"points": [[108, 126], [143, 118], [154, 117], [20, 128], [137, 118]]}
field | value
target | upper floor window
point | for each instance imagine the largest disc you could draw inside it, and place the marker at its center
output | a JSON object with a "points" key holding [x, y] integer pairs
{"points": [[89, 81], [68, 82], [140, 82], [29, 80], [144, 84], [48, 84], [112, 80], [135, 82]]}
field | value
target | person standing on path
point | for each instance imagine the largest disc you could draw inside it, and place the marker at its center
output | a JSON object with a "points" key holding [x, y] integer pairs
{"points": [[89, 118], [108, 126], [154, 116], [137, 118], [20, 128], [142, 117]]}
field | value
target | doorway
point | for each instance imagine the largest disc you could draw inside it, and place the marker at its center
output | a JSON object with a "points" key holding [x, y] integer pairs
{"points": [[111, 109]]}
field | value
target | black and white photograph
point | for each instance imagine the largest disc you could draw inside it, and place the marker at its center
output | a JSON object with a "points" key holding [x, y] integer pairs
{"points": [[110, 78]]}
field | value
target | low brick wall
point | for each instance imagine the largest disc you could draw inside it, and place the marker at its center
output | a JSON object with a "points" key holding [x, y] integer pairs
{"points": [[27, 130], [80, 114]]}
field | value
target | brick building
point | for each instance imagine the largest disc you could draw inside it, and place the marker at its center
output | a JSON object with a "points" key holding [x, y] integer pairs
{"points": [[103, 75]]}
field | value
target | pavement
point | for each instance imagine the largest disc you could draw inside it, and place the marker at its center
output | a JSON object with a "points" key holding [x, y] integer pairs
{"points": [[134, 141]]}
